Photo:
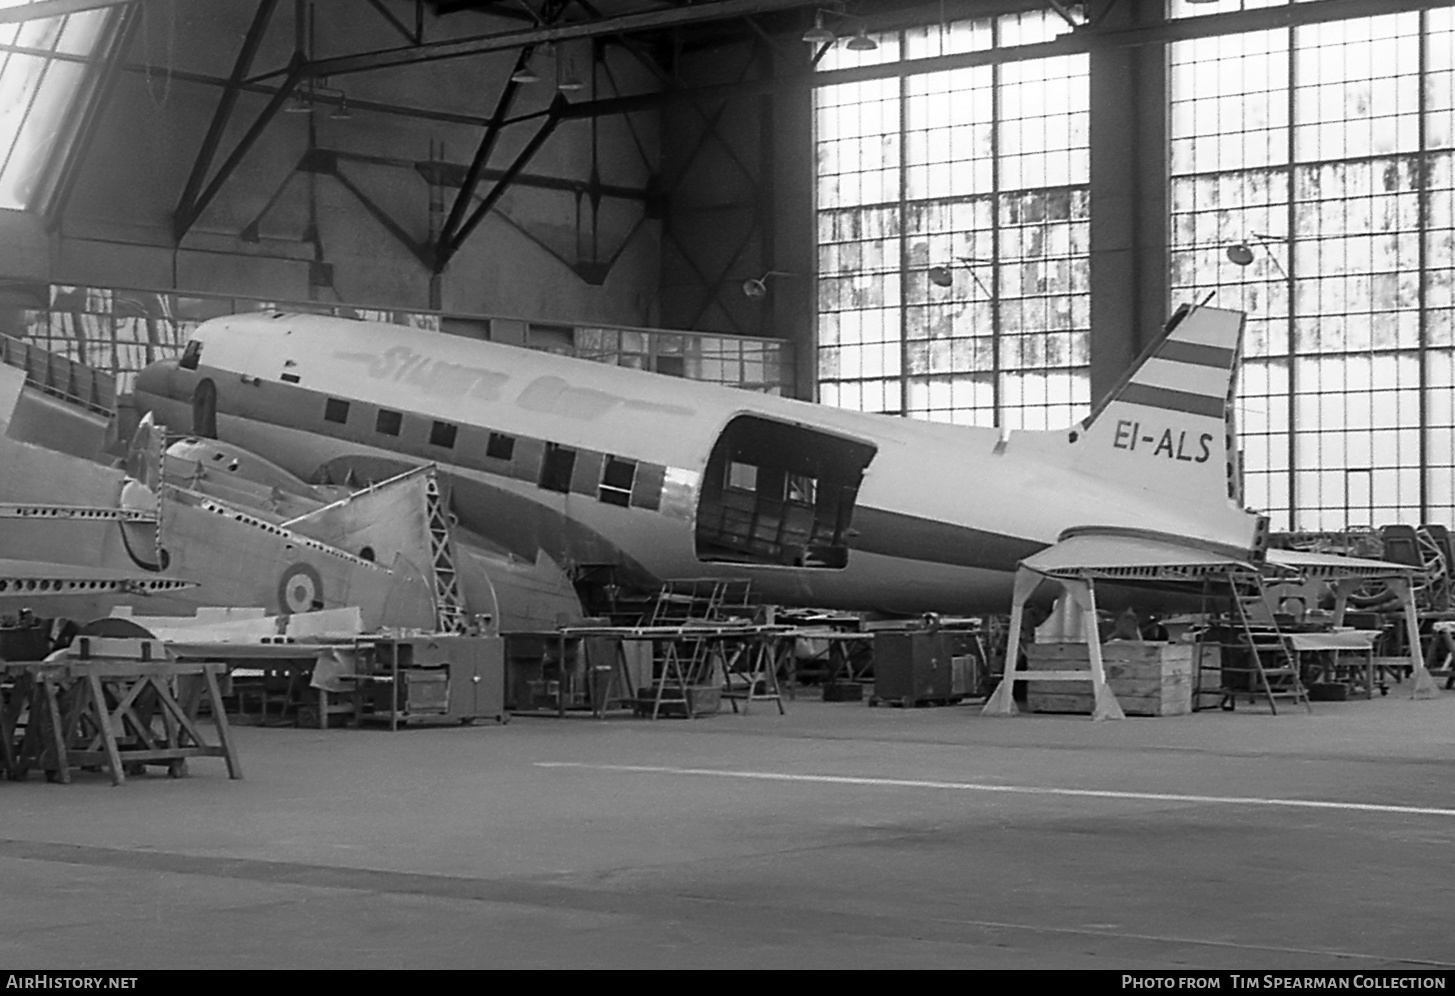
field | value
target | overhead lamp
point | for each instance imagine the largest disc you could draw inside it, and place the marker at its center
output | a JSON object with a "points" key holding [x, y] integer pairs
{"points": [[944, 275], [756, 288], [341, 110], [298, 104], [1242, 254], [566, 78], [525, 74], [818, 34]]}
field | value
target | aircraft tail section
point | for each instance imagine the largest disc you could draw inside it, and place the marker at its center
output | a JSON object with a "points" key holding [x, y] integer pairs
{"points": [[1168, 426]]}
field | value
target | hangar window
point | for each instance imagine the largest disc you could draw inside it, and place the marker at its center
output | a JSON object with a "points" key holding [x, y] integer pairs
{"points": [[443, 434], [500, 446], [617, 476], [779, 494], [1327, 151], [336, 410], [49, 68], [388, 422], [556, 468], [953, 216]]}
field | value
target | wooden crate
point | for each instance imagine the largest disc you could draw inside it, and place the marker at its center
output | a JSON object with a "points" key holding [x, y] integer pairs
{"points": [[1148, 679]]}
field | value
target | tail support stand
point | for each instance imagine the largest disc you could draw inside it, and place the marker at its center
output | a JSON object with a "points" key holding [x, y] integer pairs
{"points": [[1424, 682], [1083, 594]]}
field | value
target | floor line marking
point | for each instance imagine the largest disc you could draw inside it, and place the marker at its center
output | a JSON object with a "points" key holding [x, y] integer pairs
{"points": [[777, 776]]}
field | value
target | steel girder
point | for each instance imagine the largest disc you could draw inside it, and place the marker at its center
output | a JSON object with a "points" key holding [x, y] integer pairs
{"points": [[191, 205]]}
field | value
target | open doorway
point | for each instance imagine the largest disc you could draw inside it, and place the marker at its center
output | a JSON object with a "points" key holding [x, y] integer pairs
{"points": [[779, 493]]}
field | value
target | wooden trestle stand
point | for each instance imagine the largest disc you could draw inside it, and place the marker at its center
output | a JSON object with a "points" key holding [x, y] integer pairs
{"points": [[116, 704]]}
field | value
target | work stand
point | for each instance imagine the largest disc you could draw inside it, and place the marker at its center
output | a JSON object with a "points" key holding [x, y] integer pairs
{"points": [[750, 671], [685, 670], [114, 714]]}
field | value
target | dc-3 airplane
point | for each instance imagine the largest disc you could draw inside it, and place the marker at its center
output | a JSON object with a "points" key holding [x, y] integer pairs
{"points": [[416, 477], [584, 464]]}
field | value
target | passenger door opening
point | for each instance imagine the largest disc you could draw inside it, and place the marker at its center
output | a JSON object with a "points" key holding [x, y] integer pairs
{"points": [[781, 494]]}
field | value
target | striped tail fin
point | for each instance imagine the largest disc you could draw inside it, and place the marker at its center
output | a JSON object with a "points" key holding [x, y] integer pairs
{"points": [[1168, 427]]}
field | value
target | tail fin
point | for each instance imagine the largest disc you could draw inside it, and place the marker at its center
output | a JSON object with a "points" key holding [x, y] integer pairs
{"points": [[1168, 426]]}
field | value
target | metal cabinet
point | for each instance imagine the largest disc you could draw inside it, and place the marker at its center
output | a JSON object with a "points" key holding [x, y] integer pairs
{"points": [[459, 678], [925, 666]]}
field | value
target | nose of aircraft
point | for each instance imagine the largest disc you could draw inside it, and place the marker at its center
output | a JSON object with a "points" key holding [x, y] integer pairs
{"points": [[152, 384]]}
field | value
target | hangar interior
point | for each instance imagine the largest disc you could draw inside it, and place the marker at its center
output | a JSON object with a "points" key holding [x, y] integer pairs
{"points": [[999, 215]]}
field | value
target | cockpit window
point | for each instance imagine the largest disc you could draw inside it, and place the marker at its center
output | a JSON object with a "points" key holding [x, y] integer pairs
{"points": [[191, 355]]}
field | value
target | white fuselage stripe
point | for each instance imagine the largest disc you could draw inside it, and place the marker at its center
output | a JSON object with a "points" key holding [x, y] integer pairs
{"points": [[1225, 800]]}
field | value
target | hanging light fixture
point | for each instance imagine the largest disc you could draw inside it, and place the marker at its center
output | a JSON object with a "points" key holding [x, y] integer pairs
{"points": [[818, 34], [756, 288], [525, 74], [341, 110], [1241, 253], [566, 79], [943, 275], [861, 42]]}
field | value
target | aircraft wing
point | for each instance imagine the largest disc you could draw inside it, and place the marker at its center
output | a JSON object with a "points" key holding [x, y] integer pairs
{"points": [[32, 579]]}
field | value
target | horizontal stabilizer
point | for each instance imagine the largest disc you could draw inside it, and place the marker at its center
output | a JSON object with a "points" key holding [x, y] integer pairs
{"points": [[1132, 555]]}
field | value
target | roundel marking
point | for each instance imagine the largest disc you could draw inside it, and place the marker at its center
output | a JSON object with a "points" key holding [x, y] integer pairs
{"points": [[300, 590]]}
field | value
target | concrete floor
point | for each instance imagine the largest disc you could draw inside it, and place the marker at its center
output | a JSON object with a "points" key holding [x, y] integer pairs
{"points": [[1148, 843]]}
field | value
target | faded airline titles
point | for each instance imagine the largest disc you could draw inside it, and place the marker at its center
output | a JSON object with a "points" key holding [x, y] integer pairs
{"points": [[544, 394], [404, 365], [1129, 434]]}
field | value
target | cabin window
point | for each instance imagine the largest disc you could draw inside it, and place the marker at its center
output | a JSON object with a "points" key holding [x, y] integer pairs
{"points": [[500, 446], [802, 489], [647, 488], [191, 355], [743, 476], [779, 494], [617, 476], [556, 468], [336, 410], [443, 434], [388, 423]]}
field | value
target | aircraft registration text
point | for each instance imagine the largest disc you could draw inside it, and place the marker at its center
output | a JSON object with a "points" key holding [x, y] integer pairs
{"points": [[1174, 446]]}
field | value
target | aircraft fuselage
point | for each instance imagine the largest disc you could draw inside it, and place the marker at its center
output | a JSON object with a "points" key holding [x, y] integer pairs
{"points": [[669, 478]]}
